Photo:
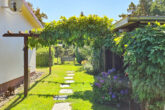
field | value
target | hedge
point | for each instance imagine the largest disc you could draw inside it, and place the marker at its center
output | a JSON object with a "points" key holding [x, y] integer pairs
{"points": [[42, 57]]}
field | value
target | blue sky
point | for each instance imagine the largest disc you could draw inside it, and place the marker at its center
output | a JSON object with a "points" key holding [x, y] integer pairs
{"points": [[57, 8]]}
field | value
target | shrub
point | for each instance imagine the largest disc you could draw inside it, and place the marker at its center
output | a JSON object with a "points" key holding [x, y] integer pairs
{"points": [[110, 88], [87, 66], [144, 54], [79, 56], [42, 57]]}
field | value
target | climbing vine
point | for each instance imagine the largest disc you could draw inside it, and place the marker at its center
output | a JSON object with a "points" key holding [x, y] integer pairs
{"points": [[83, 30], [144, 52]]}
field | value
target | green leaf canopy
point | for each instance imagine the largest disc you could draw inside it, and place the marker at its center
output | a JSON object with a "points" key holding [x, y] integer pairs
{"points": [[78, 31]]}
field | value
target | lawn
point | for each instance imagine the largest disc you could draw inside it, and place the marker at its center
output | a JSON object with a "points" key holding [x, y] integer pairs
{"points": [[42, 91]]}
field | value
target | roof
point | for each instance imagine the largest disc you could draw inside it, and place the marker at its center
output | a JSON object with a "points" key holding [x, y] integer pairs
{"points": [[30, 16], [129, 21]]}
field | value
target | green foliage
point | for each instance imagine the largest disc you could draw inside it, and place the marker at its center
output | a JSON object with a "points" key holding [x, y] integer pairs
{"points": [[87, 66], [78, 31], [97, 61], [79, 56], [146, 8], [144, 53], [59, 51], [111, 87], [143, 8], [42, 57], [158, 8], [40, 15], [81, 30]]}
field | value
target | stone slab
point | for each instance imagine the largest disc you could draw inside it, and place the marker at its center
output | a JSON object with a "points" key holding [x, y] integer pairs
{"points": [[60, 97], [68, 77], [66, 91], [69, 81], [71, 74], [64, 85], [62, 106]]}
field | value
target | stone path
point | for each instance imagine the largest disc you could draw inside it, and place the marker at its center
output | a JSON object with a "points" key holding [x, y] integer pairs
{"points": [[68, 81], [71, 74], [61, 97], [68, 77], [66, 91], [64, 85], [62, 106]]}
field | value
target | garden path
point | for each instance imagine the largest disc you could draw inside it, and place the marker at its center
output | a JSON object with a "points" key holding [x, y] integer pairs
{"points": [[64, 91]]}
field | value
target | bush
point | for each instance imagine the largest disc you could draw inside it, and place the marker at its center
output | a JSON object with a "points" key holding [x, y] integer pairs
{"points": [[110, 88], [87, 66], [144, 53], [79, 56], [42, 57]]}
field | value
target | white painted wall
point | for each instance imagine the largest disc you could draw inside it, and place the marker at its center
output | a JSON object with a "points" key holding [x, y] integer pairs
{"points": [[11, 49]]}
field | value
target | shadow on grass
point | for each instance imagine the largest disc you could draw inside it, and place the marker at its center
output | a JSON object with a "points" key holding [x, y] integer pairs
{"points": [[42, 95], [15, 102], [21, 96], [77, 65], [88, 95]]}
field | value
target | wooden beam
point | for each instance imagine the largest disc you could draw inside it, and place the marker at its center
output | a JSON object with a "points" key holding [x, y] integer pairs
{"points": [[26, 74], [20, 34]]}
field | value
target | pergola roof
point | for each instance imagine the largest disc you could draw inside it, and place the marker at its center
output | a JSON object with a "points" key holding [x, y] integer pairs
{"points": [[129, 21], [20, 34]]}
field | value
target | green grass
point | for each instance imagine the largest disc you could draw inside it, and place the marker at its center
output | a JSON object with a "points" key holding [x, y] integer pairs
{"points": [[42, 91]]}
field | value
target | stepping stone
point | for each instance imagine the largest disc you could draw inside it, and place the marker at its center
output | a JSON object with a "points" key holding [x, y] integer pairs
{"points": [[60, 97], [71, 74], [66, 91], [68, 77], [64, 85], [62, 106], [69, 81]]}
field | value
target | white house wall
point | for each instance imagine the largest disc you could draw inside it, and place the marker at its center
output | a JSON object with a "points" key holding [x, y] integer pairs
{"points": [[11, 49]]}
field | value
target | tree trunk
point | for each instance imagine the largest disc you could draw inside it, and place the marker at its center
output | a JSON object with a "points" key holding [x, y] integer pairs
{"points": [[50, 60], [57, 59]]}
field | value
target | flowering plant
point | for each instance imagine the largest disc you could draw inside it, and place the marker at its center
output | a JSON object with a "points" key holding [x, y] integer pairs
{"points": [[110, 87]]}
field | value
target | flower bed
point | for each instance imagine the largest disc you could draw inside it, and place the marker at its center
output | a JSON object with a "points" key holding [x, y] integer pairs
{"points": [[111, 88]]}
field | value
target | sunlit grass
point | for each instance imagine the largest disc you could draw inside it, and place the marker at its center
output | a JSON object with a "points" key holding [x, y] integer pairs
{"points": [[42, 91]]}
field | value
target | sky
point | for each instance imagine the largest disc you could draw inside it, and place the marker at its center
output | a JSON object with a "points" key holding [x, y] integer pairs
{"points": [[57, 8]]}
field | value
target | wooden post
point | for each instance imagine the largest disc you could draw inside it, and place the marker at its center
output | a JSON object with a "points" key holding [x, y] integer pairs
{"points": [[113, 60], [26, 75], [104, 58], [25, 36], [50, 60]]}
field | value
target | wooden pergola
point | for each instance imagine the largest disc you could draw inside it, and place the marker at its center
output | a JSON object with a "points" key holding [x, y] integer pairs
{"points": [[25, 36]]}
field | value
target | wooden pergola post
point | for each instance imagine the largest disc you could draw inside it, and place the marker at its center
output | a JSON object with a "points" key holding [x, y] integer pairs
{"points": [[50, 60], [26, 74], [25, 36]]}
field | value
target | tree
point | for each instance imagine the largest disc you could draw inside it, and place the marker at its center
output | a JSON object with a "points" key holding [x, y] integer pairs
{"points": [[59, 52], [123, 15], [146, 8], [143, 9], [132, 8], [82, 13], [158, 8], [40, 15]]}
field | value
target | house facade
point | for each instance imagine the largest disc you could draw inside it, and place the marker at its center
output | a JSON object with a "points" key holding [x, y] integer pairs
{"points": [[11, 49]]}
